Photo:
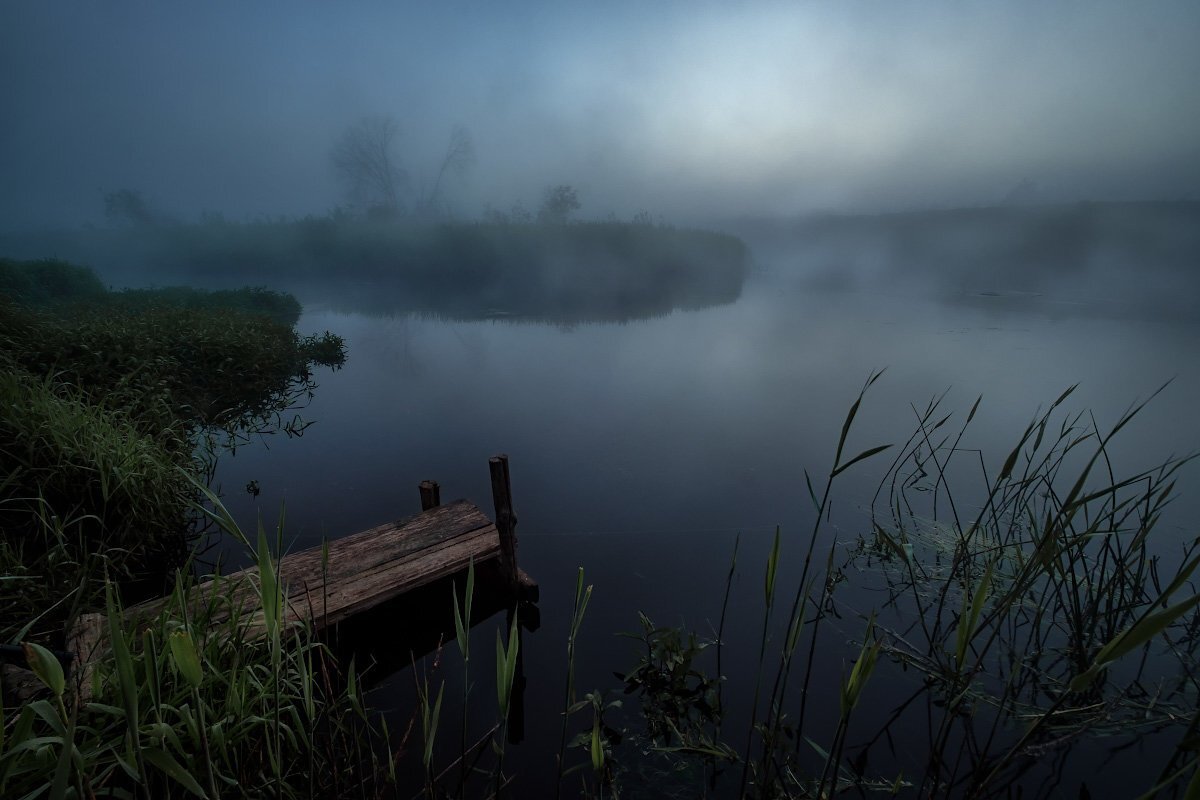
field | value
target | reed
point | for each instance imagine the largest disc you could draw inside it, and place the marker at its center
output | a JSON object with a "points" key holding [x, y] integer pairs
{"points": [[1033, 600], [107, 397], [194, 702]]}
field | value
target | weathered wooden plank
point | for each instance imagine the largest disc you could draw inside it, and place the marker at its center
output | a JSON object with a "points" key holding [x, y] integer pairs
{"points": [[377, 586], [407, 548], [370, 548], [329, 584]]}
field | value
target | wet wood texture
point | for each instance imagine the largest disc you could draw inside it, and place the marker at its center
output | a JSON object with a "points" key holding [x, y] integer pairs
{"points": [[330, 583], [360, 572]]}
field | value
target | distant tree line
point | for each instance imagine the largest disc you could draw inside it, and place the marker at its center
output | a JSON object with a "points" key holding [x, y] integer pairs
{"points": [[379, 187]]}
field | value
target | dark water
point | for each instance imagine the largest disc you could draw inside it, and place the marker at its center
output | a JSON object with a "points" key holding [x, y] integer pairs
{"points": [[640, 450]]}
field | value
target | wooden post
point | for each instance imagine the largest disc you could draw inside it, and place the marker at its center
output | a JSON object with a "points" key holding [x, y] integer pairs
{"points": [[506, 520], [431, 495]]}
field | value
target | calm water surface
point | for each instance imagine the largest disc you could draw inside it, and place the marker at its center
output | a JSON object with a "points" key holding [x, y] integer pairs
{"points": [[640, 450]]}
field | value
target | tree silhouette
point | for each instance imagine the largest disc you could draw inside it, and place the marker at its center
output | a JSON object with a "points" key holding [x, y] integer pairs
{"points": [[365, 162], [128, 206], [557, 204], [460, 155]]}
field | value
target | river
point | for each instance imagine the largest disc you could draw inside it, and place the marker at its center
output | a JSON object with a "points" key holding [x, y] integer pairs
{"points": [[640, 450]]}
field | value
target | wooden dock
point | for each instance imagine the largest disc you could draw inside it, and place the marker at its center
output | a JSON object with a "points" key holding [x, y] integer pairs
{"points": [[332, 583]]}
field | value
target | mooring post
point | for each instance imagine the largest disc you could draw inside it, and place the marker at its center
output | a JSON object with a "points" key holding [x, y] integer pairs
{"points": [[431, 495], [506, 520]]}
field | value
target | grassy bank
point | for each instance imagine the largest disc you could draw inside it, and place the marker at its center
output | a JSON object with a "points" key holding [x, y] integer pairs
{"points": [[111, 399], [114, 404]]}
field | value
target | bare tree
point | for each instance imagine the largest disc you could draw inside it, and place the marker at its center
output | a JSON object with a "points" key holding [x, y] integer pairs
{"points": [[128, 206], [364, 160], [557, 204], [459, 157]]}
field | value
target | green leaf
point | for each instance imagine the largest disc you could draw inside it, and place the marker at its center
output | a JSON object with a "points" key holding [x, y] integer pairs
{"points": [[846, 428], [811, 493], [772, 568], [268, 585], [1011, 461], [597, 747], [126, 677], [892, 544], [506, 665], [45, 666], [861, 673], [62, 770], [185, 657], [501, 686], [166, 763], [460, 631], [432, 725], [863, 455], [969, 620], [1193, 787], [1132, 638]]}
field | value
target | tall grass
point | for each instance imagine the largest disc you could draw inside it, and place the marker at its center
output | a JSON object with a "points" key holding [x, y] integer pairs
{"points": [[196, 701], [102, 403], [1027, 604], [1037, 606]]}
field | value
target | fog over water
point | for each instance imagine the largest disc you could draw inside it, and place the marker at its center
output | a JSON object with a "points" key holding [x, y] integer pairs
{"points": [[689, 110], [983, 199]]}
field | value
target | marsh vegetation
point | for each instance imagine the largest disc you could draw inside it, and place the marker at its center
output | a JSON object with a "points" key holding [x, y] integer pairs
{"points": [[112, 400], [555, 271]]}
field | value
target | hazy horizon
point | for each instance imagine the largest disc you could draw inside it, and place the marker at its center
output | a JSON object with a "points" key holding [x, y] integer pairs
{"points": [[689, 111]]}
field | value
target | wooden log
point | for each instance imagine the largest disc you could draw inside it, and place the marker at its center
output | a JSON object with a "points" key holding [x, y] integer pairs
{"points": [[431, 495]]}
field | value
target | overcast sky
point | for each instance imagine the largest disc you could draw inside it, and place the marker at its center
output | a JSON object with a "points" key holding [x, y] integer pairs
{"points": [[685, 109]]}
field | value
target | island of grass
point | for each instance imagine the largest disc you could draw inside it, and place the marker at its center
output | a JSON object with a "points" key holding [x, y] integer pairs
{"points": [[558, 272]]}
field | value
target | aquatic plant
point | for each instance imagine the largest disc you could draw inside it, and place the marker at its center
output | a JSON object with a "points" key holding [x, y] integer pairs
{"points": [[1048, 615], [196, 701], [104, 403]]}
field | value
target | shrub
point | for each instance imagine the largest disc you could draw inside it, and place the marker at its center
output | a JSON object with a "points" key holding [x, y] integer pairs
{"points": [[47, 282]]}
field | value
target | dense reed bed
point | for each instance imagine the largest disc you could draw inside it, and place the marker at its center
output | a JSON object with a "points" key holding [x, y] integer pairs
{"points": [[208, 699], [1029, 607]]}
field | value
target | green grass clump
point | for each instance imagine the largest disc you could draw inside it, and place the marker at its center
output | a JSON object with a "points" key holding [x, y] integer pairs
{"points": [[48, 282], [106, 406], [196, 701], [85, 463], [205, 368], [83, 492], [280, 307], [222, 359]]}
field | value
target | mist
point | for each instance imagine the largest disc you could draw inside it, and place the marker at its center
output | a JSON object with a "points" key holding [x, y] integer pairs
{"points": [[684, 263], [692, 111]]}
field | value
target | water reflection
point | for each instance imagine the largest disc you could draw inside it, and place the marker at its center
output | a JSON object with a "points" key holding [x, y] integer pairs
{"points": [[640, 450]]}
